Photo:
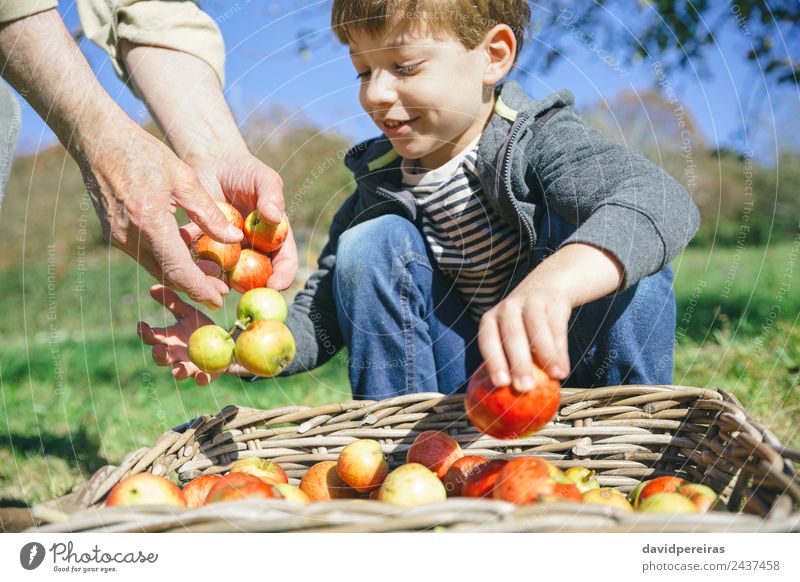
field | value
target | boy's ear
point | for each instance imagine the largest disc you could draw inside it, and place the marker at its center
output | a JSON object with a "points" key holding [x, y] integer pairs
{"points": [[501, 48]]}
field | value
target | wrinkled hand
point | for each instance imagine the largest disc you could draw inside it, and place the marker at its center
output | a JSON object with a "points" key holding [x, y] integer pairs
{"points": [[136, 188], [248, 184], [530, 324], [169, 343]]}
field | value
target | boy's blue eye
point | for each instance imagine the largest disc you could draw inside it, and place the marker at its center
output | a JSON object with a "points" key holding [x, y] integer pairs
{"points": [[362, 76]]}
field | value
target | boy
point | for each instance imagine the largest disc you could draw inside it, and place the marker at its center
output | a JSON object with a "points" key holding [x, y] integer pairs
{"points": [[485, 224]]}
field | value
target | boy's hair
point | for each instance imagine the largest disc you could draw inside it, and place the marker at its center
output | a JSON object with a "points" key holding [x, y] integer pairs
{"points": [[467, 20]]}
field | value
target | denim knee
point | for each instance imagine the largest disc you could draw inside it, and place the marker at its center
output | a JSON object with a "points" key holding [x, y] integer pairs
{"points": [[369, 248]]}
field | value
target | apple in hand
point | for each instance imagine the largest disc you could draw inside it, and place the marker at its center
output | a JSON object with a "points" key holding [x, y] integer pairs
{"points": [[261, 303], [252, 271], [505, 413], [322, 483], [236, 486], [436, 450], [269, 472], [264, 236], [582, 478], [224, 255], [211, 349], [145, 489], [412, 484], [362, 465], [265, 348], [234, 216], [197, 489], [458, 472]]}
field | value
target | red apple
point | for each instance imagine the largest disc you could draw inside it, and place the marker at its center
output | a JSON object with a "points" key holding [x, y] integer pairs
{"points": [[261, 303], [482, 479], [458, 472], [659, 485], [211, 349], [607, 496], [666, 503], [197, 489], [526, 479], [265, 348], [412, 484], [225, 255], [362, 465], [145, 489], [505, 413], [253, 270], [263, 236], [582, 478], [236, 486], [563, 492], [436, 450], [290, 493], [269, 472], [234, 216], [703, 496], [322, 483]]}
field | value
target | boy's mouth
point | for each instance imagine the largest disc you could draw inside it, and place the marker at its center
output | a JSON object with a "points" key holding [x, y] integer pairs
{"points": [[396, 126]]}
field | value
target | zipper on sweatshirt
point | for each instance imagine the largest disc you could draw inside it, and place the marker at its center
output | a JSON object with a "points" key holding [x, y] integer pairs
{"points": [[505, 173]]}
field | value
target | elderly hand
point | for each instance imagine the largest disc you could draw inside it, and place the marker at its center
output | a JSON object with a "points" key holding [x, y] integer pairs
{"points": [[248, 184], [136, 187]]}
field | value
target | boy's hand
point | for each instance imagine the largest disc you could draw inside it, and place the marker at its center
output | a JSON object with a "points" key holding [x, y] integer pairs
{"points": [[169, 343], [532, 322], [529, 325]]}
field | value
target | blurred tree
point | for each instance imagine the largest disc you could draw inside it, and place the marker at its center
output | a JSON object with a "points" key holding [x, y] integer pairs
{"points": [[675, 32]]}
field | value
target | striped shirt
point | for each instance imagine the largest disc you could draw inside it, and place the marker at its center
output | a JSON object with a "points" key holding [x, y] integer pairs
{"points": [[471, 243]]}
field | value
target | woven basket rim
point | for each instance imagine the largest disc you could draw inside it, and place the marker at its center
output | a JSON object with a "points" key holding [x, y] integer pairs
{"points": [[613, 423]]}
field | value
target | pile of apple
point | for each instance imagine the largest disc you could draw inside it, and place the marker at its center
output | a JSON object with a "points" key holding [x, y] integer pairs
{"points": [[435, 469], [265, 345]]}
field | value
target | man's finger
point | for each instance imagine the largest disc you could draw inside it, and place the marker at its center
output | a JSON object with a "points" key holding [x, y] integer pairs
{"points": [[205, 213], [269, 195], [190, 232], [180, 273], [284, 264]]}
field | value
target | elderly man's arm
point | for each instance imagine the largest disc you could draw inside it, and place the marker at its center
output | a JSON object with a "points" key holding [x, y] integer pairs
{"points": [[136, 183]]}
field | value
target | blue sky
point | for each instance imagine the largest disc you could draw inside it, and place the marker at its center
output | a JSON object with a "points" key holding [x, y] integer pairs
{"points": [[264, 68]]}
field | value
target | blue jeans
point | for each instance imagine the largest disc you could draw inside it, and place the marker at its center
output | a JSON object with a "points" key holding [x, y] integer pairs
{"points": [[408, 330]]}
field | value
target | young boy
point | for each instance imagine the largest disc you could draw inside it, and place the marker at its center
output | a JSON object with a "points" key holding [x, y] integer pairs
{"points": [[485, 225]]}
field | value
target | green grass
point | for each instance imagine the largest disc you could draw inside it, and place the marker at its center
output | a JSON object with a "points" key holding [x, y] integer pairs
{"points": [[84, 392]]}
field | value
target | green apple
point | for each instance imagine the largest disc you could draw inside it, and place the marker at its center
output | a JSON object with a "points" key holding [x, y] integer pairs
{"points": [[211, 349], [667, 503], [265, 348], [259, 304]]}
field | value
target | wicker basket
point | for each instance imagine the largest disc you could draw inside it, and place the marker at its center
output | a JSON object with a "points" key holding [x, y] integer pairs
{"points": [[626, 433]]}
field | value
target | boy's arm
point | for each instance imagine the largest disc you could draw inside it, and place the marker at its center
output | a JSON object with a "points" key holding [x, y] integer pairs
{"points": [[312, 315], [621, 202]]}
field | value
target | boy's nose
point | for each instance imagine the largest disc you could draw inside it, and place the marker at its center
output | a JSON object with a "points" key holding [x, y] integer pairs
{"points": [[380, 89]]}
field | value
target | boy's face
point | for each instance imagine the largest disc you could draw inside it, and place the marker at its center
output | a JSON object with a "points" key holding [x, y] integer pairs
{"points": [[426, 95]]}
